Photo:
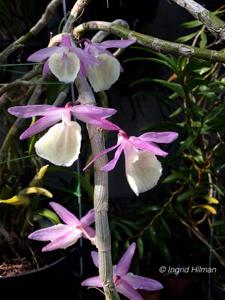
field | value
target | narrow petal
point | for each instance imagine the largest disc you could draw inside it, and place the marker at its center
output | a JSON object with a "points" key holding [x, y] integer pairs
{"points": [[147, 146], [28, 111], [143, 170], [61, 144], [125, 261], [104, 75], [40, 125], [89, 218], [43, 54], [125, 289], [46, 71], [50, 233], [64, 241], [85, 58], [88, 232], [94, 256], [65, 66], [92, 282], [116, 43], [112, 163], [159, 137], [81, 111], [65, 214], [66, 40], [97, 156], [142, 283]]}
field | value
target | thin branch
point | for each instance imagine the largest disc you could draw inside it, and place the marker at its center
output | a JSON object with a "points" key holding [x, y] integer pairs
{"points": [[201, 237], [42, 22], [151, 42], [76, 11], [214, 24]]}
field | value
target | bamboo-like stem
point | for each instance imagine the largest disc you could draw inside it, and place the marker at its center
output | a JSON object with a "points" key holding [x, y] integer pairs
{"points": [[42, 22], [102, 238], [214, 24], [151, 42]]}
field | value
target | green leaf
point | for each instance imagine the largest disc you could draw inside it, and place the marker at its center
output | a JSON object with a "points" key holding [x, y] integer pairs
{"points": [[186, 38], [191, 24], [203, 40], [176, 87], [184, 196], [151, 59], [140, 247], [50, 215]]}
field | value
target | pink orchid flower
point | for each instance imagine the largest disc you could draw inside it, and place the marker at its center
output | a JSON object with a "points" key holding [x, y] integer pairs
{"points": [[104, 74], [64, 61], [61, 144], [125, 283], [61, 236], [143, 170]]}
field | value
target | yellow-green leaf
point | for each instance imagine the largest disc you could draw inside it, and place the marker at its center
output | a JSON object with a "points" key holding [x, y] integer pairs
{"points": [[36, 190], [39, 176], [212, 200], [209, 208], [17, 200]]}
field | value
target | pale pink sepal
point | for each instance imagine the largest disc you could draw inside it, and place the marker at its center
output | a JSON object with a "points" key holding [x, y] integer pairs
{"points": [[65, 214], [43, 54], [128, 291], [124, 264], [142, 283], [92, 282]]}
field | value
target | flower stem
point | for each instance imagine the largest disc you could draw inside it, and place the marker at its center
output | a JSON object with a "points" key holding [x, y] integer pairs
{"points": [[103, 237]]}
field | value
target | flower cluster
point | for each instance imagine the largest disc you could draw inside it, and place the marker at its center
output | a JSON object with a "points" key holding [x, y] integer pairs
{"points": [[62, 142]]}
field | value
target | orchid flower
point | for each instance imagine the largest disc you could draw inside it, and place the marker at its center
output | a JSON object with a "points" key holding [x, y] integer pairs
{"points": [[61, 236], [104, 74], [64, 61], [125, 283], [143, 170], [61, 144]]}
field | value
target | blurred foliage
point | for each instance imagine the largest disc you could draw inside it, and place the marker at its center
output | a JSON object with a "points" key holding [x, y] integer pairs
{"points": [[189, 216]]}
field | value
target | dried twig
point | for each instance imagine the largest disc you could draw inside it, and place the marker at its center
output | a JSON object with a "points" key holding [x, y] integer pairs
{"points": [[42, 22], [214, 24], [75, 13]]}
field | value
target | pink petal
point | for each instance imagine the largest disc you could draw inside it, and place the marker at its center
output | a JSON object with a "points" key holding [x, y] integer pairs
{"points": [[40, 125], [97, 156], [65, 214], [86, 59], [66, 40], [111, 164], [115, 43], [159, 137], [88, 232], [125, 289], [93, 282], [27, 111], [46, 71], [147, 146], [89, 218], [94, 255], [144, 283], [43, 54], [85, 112], [125, 261], [49, 233], [101, 123], [64, 241]]}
